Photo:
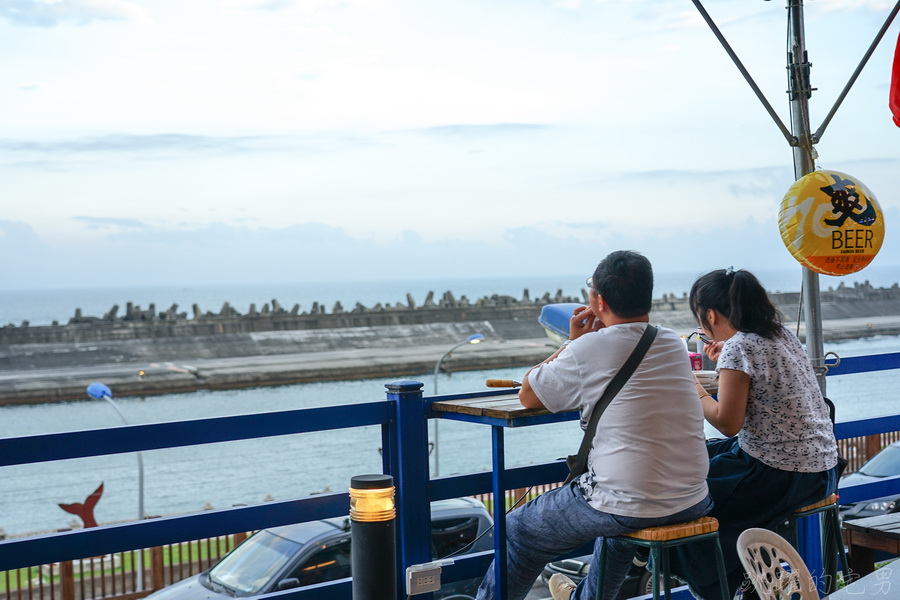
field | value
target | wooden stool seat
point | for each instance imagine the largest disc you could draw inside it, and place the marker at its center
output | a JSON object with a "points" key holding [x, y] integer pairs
{"points": [[659, 539], [832, 499], [831, 538], [676, 531]]}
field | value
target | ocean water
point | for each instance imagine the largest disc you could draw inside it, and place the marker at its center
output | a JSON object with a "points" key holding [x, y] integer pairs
{"points": [[183, 480], [221, 475], [42, 307]]}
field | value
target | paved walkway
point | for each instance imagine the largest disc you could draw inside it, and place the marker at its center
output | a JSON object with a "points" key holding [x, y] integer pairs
{"points": [[145, 378]]}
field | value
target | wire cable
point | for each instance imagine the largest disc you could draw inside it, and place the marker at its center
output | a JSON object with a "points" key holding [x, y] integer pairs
{"points": [[489, 529]]}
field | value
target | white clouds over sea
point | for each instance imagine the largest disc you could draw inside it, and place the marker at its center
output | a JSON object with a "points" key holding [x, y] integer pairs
{"points": [[272, 140]]}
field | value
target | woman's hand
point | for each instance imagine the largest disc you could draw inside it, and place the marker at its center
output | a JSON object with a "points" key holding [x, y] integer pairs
{"points": [[713, 350], [728, 413], [583, 321]]}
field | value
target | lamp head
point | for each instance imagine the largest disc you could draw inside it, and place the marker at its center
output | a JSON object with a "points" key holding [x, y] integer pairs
{"points": [[98, 390], [474, 338], [372, 498]]}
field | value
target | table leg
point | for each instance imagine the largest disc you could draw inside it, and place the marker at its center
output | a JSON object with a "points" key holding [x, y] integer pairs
{"points": [[862, 559], [499, 485]]}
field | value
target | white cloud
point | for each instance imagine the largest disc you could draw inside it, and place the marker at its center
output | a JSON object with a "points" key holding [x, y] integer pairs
{"points": [[130, 252], [877, 6], [501, 134], [38, 13], [567, 4]]}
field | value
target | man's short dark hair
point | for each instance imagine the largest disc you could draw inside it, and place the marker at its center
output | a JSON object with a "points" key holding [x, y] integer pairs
{"points": [[625, 280]]}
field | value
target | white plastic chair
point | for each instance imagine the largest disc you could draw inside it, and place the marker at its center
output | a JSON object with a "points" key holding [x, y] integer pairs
{"points": [[774, 567]]}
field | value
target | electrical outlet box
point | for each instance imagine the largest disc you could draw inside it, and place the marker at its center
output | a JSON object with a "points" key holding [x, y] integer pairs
{"points": [[421, 579]]}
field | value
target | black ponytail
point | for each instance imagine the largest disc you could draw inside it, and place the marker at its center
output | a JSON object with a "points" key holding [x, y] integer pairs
{"points": [[740, 298]]}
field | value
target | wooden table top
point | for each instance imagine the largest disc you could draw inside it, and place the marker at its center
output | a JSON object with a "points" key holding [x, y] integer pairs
{"points": [[499, 407], [887, 526]]}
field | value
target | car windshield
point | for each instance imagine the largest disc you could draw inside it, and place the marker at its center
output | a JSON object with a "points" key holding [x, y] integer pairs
{"points": [[250, 566], [884, 464]]}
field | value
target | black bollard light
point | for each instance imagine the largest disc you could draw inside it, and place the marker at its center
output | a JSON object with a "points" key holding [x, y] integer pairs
{"points": [[373, 544]]}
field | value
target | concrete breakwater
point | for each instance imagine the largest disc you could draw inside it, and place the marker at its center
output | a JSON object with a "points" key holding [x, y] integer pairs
{"points": [[145, 351]]}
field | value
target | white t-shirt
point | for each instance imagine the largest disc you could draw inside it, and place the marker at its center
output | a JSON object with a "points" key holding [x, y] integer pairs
{"points": [[787, 424], [649, 452]]}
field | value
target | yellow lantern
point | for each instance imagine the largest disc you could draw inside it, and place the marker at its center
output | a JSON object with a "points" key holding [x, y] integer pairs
{"points": [[831, 223], [372, 498]]}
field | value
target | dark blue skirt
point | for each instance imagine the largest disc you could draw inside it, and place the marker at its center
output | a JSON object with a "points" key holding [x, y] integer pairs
{"points": [[746, 493]]}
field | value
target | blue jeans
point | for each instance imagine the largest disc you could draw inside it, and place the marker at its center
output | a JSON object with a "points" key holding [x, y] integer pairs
{"points": [[561, 521]]}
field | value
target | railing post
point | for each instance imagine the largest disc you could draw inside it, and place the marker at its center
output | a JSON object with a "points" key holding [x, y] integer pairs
{"points": [[67, 580], [873, 446], [157, 572], [411, 477]]}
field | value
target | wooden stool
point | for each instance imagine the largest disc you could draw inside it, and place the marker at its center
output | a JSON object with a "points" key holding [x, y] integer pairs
{"points": [[660, 539], [830, 519]]}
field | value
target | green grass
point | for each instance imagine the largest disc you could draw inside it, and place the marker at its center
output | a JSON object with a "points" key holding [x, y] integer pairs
{"points": [[18, 579]]}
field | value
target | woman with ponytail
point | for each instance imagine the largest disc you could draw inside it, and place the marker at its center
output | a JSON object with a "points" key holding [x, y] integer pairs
{"points": [[780, 452]]}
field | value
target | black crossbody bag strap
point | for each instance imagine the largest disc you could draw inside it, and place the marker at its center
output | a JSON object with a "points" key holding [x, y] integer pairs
{"points": [[578, 463]]}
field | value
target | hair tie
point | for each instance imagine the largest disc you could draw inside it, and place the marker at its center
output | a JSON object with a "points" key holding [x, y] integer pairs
{"points": [[729, 271]]}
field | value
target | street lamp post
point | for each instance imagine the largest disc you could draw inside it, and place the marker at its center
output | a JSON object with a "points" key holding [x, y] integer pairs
{"points": [[100, 391], [472, 339]]}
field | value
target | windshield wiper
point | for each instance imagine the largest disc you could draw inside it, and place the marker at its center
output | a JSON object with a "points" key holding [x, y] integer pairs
{"points": [[218, 586]]}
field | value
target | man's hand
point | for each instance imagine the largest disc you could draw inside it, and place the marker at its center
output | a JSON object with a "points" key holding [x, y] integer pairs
{"points": [[583, 321]]}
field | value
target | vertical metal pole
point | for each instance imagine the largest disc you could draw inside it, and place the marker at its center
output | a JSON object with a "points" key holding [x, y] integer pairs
{"points": [[139, 567], [411, 477], [499, 484], [800, 90]]}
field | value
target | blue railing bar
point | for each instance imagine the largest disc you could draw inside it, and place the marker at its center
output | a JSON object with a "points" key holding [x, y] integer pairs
{"points": [[863, 427], [479, 483], [678, 593], [871, 490], [132, 438], [864, 364], [338, 589], [83, 543]]}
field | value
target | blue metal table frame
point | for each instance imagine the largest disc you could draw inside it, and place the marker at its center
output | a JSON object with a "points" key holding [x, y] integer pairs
{"points": [[499, 411]]}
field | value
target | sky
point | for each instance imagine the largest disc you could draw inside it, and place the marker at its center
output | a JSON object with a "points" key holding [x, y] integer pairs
{"points": [[254, 141]]}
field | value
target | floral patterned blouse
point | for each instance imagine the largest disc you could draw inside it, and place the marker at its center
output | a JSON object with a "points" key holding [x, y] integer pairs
{"points": [[787, 424]]}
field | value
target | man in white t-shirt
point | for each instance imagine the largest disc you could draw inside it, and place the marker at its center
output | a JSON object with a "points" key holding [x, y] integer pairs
{"points": [[648, 462]]}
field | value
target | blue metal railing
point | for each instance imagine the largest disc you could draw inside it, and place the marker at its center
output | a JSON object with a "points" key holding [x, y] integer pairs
{"points": [[403, 419]]}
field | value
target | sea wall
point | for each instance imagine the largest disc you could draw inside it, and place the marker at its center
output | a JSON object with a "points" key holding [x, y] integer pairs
{"points": [[145, 352], [136, 323]]}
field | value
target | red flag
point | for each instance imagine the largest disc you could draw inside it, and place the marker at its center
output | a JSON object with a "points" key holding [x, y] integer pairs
{"points": [[894, 101]]}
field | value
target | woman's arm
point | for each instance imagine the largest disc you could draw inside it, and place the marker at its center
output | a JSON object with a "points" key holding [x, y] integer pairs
{"points": [[727, 415]]}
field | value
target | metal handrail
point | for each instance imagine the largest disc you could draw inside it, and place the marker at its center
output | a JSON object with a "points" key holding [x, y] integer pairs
{"points": [[70, 545]]}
